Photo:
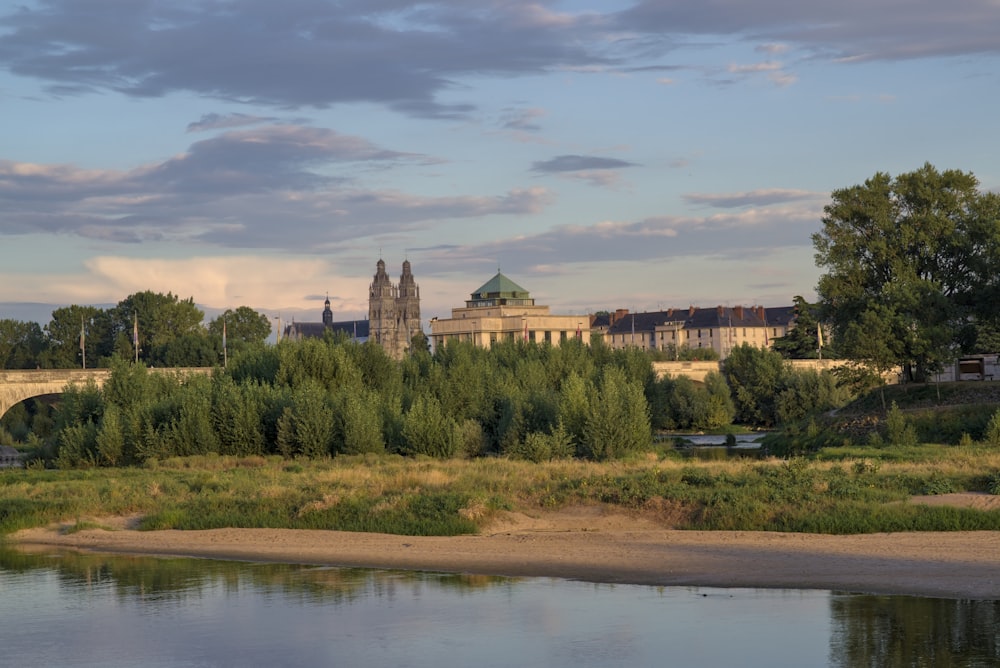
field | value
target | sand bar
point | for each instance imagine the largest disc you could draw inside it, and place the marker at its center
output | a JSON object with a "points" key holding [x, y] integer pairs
{"points": [[598, 545]]}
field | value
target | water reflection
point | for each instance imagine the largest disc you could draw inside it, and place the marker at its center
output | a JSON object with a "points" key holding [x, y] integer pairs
{"points": [[70, 608], [896, 631]]}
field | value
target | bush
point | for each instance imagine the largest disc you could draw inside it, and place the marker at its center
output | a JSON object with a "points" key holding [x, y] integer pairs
{"points": [[991, 437]]}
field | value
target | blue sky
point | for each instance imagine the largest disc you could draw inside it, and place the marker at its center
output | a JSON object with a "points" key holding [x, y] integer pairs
{"points": [[603, 154]]}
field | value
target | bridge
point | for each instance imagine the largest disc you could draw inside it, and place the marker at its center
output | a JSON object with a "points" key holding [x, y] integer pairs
{"points": [[18, 385]]}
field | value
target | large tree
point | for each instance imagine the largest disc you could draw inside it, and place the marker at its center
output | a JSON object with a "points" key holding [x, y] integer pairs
{"points": [[907, 260], [154, 318], [244, 325], [64, 337], [21, 344]]}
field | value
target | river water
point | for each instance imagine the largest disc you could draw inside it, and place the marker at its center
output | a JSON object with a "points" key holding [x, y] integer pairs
{"points": [[63, 608]]}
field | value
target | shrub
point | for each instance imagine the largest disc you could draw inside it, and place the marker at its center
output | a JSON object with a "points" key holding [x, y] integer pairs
{"points": [[899, 431], [991, 437]]}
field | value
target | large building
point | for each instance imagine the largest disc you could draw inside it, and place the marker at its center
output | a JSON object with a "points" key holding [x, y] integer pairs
{"points": [[501, 310], [721, 328], [393, 315]]}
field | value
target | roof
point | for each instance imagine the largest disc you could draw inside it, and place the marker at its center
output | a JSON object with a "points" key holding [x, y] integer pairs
{"points": [[500, 286], [358, 329], [695, 318]]}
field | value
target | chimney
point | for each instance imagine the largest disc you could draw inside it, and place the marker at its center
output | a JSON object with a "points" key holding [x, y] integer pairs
{"points": [[760, 312], [739, 312], [720, 310], [691, 310], [670, 313]]}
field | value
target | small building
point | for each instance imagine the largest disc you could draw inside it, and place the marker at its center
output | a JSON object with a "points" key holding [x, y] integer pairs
{"points": [[10, 457], [721, 328], [501, 310]]}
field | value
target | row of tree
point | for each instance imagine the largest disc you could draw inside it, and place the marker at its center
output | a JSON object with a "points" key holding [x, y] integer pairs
{"points": [[326, 397], [156, 329]]}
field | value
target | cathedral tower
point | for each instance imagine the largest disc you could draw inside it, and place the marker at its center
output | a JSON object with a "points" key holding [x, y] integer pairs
{"points": [[407, 309], [382, 309]]}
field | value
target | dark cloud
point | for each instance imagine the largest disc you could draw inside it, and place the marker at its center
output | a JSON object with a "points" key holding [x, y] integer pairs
{"points": [[272, 187], [405, 55], [579, 163], [293, 53], [851, 29]]}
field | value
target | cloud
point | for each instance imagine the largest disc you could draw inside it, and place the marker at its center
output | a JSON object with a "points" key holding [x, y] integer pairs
{"points": [[769, 66], [224, 122], [753, 198], [756, 231], [772, 49], [296, 53], [283, 187], [578, 163], [313, 53], [522, 119], [851, 29]]}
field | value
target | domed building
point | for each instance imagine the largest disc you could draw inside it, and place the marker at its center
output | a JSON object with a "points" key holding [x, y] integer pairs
{"points": [[502, 310]]}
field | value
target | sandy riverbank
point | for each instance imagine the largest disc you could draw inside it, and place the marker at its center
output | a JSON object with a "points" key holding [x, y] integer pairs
{"points": [[595, 544]]}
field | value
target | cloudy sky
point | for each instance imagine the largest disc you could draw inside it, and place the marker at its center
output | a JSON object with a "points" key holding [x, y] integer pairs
{"points": [[638, 154]]}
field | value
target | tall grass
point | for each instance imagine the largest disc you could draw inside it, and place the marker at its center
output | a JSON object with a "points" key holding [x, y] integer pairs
{"points": [[840, 491]]}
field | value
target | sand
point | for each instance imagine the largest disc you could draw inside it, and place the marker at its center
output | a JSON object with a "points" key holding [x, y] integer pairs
{"points": [[601, 544]]}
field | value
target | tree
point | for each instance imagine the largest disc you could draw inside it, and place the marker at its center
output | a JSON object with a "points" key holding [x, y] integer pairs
{"points": [[914, 257], [63, 334], [156, 318], [243, 325], [617, 422], [802, 341], [755, 377], [21, 344]]}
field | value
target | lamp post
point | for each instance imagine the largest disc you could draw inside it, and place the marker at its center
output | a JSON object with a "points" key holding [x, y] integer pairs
{"points": [[277, 333]]}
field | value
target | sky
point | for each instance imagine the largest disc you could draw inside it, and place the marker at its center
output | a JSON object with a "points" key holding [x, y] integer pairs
{"points": [[642, 155]]}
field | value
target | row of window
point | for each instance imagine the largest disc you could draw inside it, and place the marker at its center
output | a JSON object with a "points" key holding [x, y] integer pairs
{"points": [[547, 336], [640, 337]]}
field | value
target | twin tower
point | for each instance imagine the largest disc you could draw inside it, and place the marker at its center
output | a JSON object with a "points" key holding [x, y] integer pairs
{"points": [[393, 310]]}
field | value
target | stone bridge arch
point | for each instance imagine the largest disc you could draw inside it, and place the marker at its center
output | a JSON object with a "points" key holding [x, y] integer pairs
{"points": [[17, 385]]}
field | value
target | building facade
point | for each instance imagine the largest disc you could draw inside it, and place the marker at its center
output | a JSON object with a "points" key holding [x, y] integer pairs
{"points": [[721, 328], [501, 310], [393, 310], [393, 315]]}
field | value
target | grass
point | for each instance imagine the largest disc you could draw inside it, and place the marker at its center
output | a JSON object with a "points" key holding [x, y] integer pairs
{"points": [[841, 490]]}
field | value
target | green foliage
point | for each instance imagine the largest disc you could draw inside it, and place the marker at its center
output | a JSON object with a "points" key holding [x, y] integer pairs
{"points": [[159, 320], [22, 344], [243, 326], [618, 419], [910, 262], [898, 430], [428, 431], [306, 425], [360, 423], [803, 340], [991, 437]]}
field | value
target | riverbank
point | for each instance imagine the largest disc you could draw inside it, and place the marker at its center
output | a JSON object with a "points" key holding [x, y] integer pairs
{"points": [[599, 544]]}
